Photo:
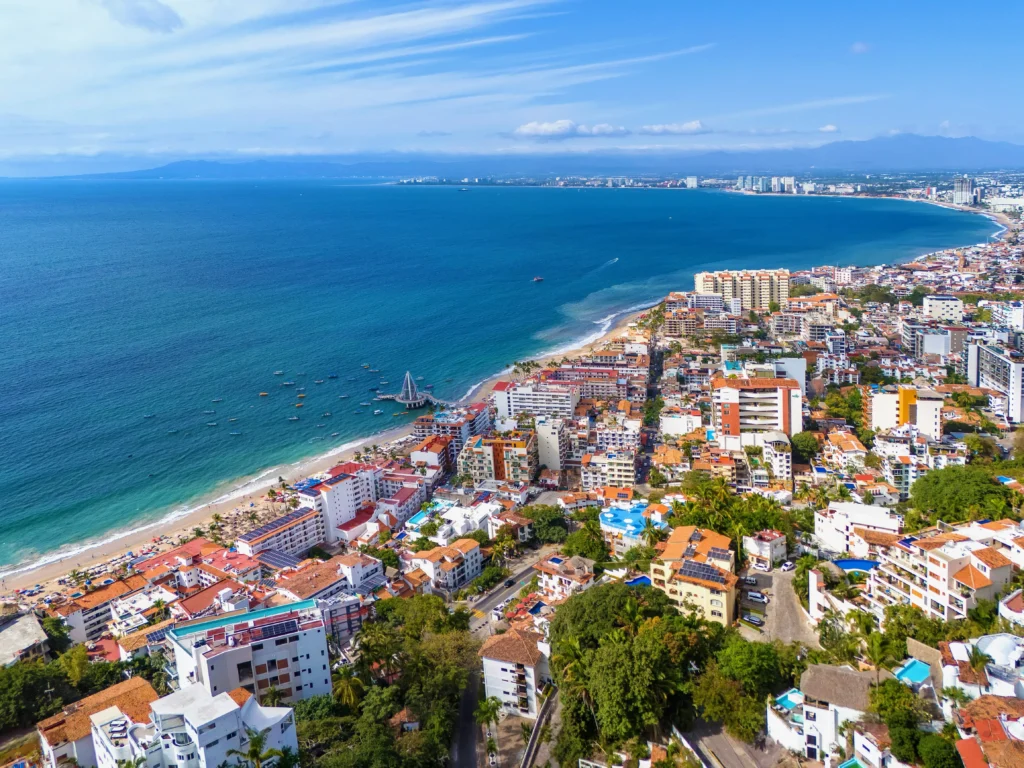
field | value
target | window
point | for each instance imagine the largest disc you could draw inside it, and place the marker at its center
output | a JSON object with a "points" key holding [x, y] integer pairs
{"points": [[258, 647], [281, 641], [213, 743]]}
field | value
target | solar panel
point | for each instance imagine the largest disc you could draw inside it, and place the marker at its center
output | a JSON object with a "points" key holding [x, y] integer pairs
{"points": [[718, 552], [690, 551], [275, 558], [275, 630], [274, 525], [156, 637], [695, 536], [702, 571]]}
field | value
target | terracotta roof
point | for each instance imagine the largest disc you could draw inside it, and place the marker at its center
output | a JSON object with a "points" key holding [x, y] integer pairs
{"points": [[972, 577], [934, 542], [992, 557], [203, 599], [684, 536], [465, 546], [879, 733], [878, 538], [132, 697], [239, 696], [104, 594], [137, 640], [515, 647], [999, 754], [311, 579]]}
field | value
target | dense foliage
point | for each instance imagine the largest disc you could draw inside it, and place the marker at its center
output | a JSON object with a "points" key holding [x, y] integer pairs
{"points": [[549, 523], [955, 494]]}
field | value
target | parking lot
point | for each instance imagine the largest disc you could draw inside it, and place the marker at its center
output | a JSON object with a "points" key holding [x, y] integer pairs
{"points": [[783, 616]]}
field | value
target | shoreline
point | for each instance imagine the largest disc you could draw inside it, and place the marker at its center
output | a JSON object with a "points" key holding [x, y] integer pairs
{"points": [[232, 496]]}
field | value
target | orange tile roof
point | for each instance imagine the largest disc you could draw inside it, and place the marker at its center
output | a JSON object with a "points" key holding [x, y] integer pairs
{"points": [[879, 538], [137, 640], [132, 697], [516, 646], [311, 579], [972, 577], [239, 696], [992, 557], [680, 539]]}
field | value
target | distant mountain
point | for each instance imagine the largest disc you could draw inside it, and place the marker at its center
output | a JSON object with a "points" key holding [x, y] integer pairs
{"points": [[900, 153]]}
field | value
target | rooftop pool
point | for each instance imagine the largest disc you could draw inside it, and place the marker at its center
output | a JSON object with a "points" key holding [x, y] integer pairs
{"points": [[914, 671]]}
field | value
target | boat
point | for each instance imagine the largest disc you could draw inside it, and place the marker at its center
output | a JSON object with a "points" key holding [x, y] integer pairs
{"points": [[382, 382], [419, 378], [172, 431], [366, 365], [351, 378], [287, 383], [538, 279], [378, 412], [301, 389], [397, 413], [148, 415], [209, 412], [211, 423], [404, 413], [342, 397], [364, 404], [429, 386], [320, 426], [335, 434], [217, 400], [232, 419], [293, 418], [298, 405], [327, 413], [279, 373], [234, 434], [318, 381], [264, 394], [375, 370], [463, 189], [300, 395]]}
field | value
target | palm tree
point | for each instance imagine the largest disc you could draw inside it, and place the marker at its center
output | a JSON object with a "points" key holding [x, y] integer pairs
{"points": [[631, 617], [956, 695], [76, 577], [878, 650], [288, 758], [137, 762], [487, 711], [348, 689], [197, 532], [863, 622], [256, 752], [977, 660], [527, 731], [651, 534], [271, 697]]}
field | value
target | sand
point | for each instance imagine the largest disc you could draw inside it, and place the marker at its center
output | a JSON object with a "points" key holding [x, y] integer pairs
{"points": [[239, 512]]}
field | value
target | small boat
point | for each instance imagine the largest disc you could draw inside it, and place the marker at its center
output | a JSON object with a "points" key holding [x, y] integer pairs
{"points": [[298, 405], [351, 378], [366, 365], [209, 412], [397, 413], [419, 378], [342, 397], [463, 189], [148, 415], [293, 418], [287, 383], [264, 394], [232, 419], [319, 381], [327, 413], [172, 431], [217, 400], [364, 404], [375, 370], [320, 426], [234, 434], [335, 434], [383, 382], [211, 423], [332, 375], [538, 279], [279, 373], [301, 395], [404, 413], [378, 412], [301, 389], [429, 386]]}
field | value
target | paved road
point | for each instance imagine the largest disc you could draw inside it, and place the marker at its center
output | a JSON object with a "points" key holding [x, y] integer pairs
{"points": [[463, 749], [714, 744], [522, 572], [784, 616]]}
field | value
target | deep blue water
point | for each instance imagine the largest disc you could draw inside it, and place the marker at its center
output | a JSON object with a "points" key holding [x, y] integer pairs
{"points": [[121, 299]]}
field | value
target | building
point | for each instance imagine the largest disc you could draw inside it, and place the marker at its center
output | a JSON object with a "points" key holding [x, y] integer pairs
{"points": [[694, 568], [294, 533], [435, 451], [511, 456], [283, 648], [515, 666], [743, 406], [553, 446], [562, 576], [756, 290], [557, 399], [346, 499], [777, 452], [623, 523], [354, 572], [963, 190], [617, 468], [767, 547], [691, 182], [992, 367], [1008, 314], [189, 729], [21, 639], [87, 612], [452, 567], [946, 309], [458, 423], [891, 407], [66, 738], [843, 449], [944, 574], [834, 527]]}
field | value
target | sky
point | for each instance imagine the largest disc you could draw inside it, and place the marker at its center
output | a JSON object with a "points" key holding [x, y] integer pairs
{"points": [[135, 83]]}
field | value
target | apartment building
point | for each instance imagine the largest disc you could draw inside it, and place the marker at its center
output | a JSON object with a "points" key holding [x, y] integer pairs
{"points": [[890, 407], [947, 309], [743, 406], [283, 647], [843, 449], [511, 456], [694, 568], [553, 443], [755, 290], [616, 468], [562, 576], [547, 398], [992, 367], [294, 533], [767, 547], [87, 612], [344, 497], [435, 451], [777, 452], [353, 572], [603, 383], [836, 525], [942, 573], [674, 421], [452, 567], [460, 424], [516, 669]]}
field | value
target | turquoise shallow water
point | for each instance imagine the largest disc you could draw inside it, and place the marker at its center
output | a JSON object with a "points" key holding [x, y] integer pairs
{"points": [[120, 300]]}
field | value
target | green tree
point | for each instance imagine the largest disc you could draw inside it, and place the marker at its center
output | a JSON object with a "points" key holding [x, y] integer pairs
{"points": [[878, 650], [256, 753], [978, 660], [947, 494], [805, 447], [57, 636], [271, 697], [347, 688], [937, 752], [549, 523], [487, 711]]}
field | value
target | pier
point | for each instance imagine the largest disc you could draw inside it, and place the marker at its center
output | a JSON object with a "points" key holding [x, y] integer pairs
{"points": [[410, 396]]}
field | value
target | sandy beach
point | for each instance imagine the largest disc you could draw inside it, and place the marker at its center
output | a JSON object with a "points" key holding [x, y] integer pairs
{"points": [[243, 503]]}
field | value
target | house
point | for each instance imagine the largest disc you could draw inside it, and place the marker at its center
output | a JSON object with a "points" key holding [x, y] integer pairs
{"points": [[767, 547], [144, 641], [21, 639], [452, 567], [842, 449], [67, 736], [87, 613], [515, 667], [1002, 675], [834, 526], [354, 572], [694, 568], [993, 731], [562, 576]]}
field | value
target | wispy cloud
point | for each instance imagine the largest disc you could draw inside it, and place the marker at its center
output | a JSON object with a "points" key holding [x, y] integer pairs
{"points": [[151, 15], [689, 128], [432, 134], [806, 106], [828, 129], [567, 129]]}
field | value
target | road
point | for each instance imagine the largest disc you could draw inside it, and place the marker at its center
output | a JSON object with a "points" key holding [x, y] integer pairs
{"points": [[464, 741], [715, 745], [784, 616], [522, 572]]}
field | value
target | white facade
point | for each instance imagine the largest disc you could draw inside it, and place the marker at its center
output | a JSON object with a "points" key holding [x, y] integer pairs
{"points": [[766, 546], [536, 399], [515, 666], [293, 533], [994, 368], [552, 442], [339, 498], [672, 422], [948, 309], [833, 527], [617, 468]]}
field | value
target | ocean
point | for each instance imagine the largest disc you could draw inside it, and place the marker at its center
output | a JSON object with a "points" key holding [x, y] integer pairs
{"points": [[133, 314]]}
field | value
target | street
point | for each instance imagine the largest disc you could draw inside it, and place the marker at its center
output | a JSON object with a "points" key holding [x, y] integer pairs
{"points": [[522, 572], [717, 747], [463, 750], [784, 617]]}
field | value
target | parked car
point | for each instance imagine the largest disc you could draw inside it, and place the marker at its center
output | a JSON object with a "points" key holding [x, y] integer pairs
{"points": [[754, 619], [760, 565], [510, 582], [757, 597], [748, 581], [788, 566]]}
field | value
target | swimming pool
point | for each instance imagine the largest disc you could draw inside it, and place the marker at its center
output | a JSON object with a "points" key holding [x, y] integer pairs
{"points": [[856, 565], [853, 762], [639, 581], [914, 672], [791, 699], [418, 519]]}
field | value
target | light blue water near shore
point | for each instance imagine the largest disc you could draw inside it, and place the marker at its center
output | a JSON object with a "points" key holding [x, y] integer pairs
{"points": [[124, 299]]}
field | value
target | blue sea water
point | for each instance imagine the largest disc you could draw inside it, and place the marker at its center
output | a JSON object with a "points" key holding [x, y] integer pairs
{"points": [[120, 300]]}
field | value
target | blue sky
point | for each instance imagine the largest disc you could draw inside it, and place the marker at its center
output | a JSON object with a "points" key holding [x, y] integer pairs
{"points": [[167, 79]]}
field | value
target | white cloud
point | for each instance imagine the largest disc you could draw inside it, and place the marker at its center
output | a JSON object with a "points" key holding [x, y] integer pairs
{"points": [[828, 129], [944, 125], [567, 129], [860, 47], [151, 15], [690, 128]]}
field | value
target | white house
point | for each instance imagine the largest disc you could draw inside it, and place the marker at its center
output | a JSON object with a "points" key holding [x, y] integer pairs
{"points": [[562, 576], [767, 546], [833, 527], [516, 670]]}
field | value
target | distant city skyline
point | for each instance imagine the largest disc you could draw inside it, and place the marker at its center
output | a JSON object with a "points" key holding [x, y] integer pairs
{"points": [[158, 80]]}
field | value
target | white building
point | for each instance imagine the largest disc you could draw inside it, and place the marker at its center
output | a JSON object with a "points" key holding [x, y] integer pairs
{"points": [[992, 367], [777, 452], [283, 648], [536, 399], [516, 669], [833, 527], [767, 547], [678, 421], [562, 576], [553, 446], [755, 289], [947, 309], [617, 468], [346, 499], [892, 407], [1008, 314], [452, 567]]}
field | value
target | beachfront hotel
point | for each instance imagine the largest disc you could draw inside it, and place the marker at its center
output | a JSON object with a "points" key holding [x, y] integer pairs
{"points": [[511, 399], [294, 533], [755, 290], [283, 648], [458, 423]]}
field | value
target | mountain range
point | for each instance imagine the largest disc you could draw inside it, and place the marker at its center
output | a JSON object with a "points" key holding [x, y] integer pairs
{"points": [[900, 153]]}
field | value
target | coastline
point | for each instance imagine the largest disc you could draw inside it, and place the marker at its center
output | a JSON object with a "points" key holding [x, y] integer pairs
{"points": [[230, 498]]}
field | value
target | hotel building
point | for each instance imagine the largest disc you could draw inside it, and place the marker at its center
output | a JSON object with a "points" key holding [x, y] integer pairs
{"points": [[755, 290], [511, 399], [742, 406], [294, 533]]}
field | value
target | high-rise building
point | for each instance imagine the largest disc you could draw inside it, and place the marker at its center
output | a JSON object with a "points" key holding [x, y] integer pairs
{"points": [[756, 290], [748, 405], [947, 308], [963, 190], [995, 368], [691, 182]]}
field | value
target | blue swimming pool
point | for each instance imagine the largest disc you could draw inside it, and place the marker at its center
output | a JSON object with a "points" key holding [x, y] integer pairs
{"points": [[639, 581], [418, 519], [853, 762], [914, 672], [856, 565], [791, 699]]}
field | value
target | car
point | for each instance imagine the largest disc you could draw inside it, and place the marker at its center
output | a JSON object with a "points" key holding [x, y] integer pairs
{"points": [[762, 566], [788, 566], [510, 582], [748, 581], [754, 619], [757, 597]]}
